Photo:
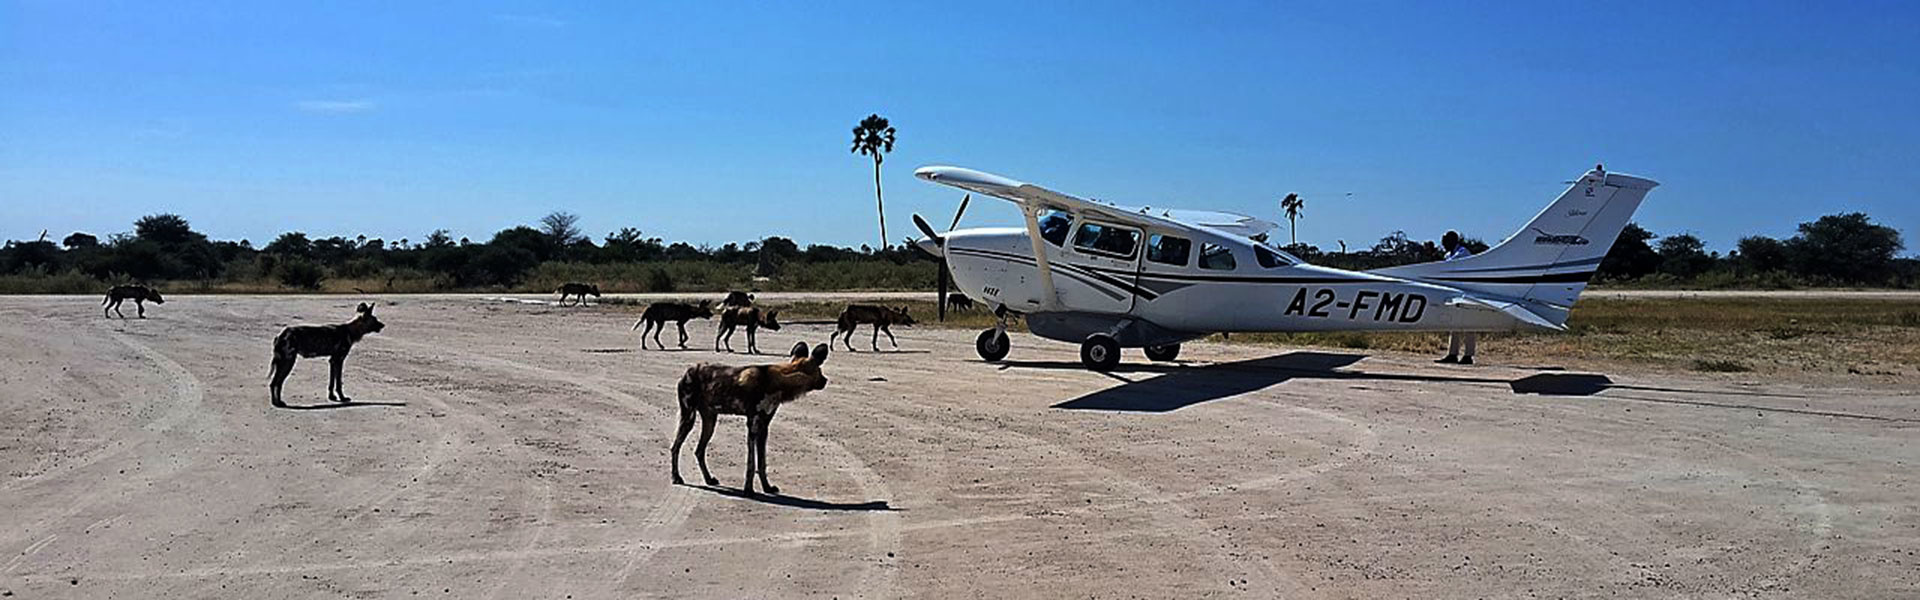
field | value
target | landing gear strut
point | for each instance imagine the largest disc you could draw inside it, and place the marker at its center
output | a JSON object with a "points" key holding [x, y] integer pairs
{"points": [[1100, 352], [992, 343]]}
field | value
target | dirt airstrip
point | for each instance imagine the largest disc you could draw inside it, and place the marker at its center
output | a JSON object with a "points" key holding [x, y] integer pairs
{"points": [[520, 451]]}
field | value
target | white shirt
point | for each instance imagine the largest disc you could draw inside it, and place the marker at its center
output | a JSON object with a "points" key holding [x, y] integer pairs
{"points": [[1459, 251]]}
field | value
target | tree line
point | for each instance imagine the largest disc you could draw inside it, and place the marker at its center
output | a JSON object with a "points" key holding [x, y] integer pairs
{"points": [[1836, 250]]}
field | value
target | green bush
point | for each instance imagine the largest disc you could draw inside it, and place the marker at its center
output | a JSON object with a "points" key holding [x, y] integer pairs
{"points": [[299, 273]]}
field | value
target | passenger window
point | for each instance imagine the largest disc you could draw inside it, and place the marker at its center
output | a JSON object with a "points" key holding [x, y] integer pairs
{"points": [[1268, 258], [1215, 256], [1096, 238], [1053, 227], [1166, 249]]}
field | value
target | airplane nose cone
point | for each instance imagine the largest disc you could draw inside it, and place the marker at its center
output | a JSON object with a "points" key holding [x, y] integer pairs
{"points": [[930, 246]]}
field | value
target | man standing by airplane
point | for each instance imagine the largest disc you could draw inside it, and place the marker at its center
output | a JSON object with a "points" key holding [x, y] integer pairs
{"points": [[1455, 251]]}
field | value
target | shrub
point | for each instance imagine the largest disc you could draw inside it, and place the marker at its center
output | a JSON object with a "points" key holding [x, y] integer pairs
{"points": [[299, 273]]}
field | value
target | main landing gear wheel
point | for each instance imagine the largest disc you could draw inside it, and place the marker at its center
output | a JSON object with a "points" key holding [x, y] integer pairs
{"points": [[992, 345], [1100, 352], [1163, 353]]}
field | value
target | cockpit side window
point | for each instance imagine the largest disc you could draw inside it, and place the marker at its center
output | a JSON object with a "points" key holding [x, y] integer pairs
{"points": [[1054, 226], [1100, 238], [1168, 250], [1268, 258], [1216, 257]]}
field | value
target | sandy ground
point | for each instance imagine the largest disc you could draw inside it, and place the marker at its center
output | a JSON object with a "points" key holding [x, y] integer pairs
{"points": [[509, 450]]}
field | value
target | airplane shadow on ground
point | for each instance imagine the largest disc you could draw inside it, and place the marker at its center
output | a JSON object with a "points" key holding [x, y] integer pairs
{"points": [[796, 501], [334, 405], [1180, 386]]}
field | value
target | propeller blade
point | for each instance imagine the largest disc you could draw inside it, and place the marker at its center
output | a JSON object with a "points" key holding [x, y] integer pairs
{"points": [[927, 229], [962, 211]]}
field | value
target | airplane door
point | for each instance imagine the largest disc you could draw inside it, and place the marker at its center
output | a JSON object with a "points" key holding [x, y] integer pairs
{"points": [[1103, 264]]}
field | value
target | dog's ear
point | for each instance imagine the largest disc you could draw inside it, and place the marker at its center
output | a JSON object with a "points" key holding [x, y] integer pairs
{"points": [[819, 353], [364, 308], [799, 351], [706, 303]]}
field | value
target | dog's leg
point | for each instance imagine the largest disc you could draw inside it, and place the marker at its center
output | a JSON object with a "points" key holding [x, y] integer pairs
{"points": [[766, 424], [848, 339], [336, 387], [889, 330], [876, 337], [700, 451], [282, 367], [752, 348], [686, 425], [140, 307], [116, 309], [753, 426], [683, 334]]}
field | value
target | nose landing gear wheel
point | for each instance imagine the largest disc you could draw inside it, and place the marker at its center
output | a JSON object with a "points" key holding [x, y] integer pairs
{"points": [[1100, 352], [1163, 353], [992, 345]]}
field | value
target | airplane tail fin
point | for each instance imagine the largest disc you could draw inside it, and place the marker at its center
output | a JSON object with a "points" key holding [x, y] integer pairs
{"points": [[1549, 261]]}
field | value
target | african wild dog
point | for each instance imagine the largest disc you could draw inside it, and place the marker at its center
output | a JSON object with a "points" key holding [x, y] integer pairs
{"points": [[879, 316], [578, 289], [139, 294], [313, 341], [737, 299], [753, 317], [755, 391], [956, 302], [658, 313]]}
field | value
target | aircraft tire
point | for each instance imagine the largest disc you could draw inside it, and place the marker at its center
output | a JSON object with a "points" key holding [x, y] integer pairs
{"points": [[1100, 352], [1163, 353], [992, 345]]}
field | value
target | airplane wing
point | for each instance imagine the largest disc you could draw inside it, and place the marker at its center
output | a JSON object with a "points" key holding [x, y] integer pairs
{"points": [[1515, 310], [1026, 194]]}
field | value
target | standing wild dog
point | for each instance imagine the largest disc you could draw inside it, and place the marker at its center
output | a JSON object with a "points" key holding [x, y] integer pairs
{"points": [[658, 313], [578, 289], [737, 299], [314, 341], [957, 302], [881, 317], [751, 316], [755, 391], [139, 294]]}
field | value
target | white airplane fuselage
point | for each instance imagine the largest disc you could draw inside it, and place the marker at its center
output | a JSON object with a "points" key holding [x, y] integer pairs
{"points": [[1189, 300]]}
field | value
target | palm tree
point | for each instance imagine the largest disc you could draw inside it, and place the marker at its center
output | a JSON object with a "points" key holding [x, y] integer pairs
{"points": [[874, 137], [1292, 205]]}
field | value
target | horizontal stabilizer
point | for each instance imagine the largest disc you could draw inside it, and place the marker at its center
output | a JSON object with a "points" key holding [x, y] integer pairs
{"points": [[1515, 310]]}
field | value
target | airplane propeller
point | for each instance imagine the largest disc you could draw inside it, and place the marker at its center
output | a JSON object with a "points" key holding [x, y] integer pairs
{"points": [[940, 242]]}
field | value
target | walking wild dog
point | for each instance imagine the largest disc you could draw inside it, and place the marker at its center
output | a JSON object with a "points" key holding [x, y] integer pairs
{"points": [[751, 316], [139, 294], [658, 313], [881, 317], [755, 391], [314, 341], [578, 289], [737, 298], [958, 301]]}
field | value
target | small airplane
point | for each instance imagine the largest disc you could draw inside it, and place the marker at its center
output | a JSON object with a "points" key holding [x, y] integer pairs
{"points": [[1110, 277]]}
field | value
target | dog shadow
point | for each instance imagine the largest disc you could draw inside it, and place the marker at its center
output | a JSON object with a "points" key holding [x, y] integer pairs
{"points": [[796, 501], [338, 405]]}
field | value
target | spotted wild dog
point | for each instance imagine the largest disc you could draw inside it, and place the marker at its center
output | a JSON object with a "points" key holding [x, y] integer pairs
{"points": [[578, 289], [957, 302], [755, 391], [737, 298], [881, 317], [139, 294], [753, 317], [314, 341], [658, 313]]}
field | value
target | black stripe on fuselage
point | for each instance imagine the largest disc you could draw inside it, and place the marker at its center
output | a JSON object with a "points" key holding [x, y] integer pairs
{"points": [[1191, 278], [1574, 277], [1080, 272]]}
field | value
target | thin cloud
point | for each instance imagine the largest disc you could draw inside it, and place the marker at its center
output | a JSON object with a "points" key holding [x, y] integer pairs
{"points": [[334, 106], [530, 20]]}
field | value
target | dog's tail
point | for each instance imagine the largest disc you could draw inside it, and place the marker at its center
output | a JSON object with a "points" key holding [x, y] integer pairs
{"points": [[636, 325], [689, 388]]}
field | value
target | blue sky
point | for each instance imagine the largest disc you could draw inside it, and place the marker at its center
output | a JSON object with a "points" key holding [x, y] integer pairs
{"points": [[713, 123]]}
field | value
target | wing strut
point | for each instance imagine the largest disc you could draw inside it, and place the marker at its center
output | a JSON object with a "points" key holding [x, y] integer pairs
{"points": [[1048, 299]]}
